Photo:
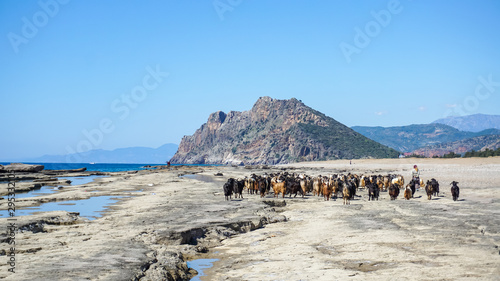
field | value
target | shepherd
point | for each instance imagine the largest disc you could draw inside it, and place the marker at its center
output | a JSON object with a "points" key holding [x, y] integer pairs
{"points": [[415, 175]]}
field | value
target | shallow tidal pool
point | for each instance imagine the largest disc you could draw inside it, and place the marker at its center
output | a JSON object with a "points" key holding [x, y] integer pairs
{"points": [[199, 265]]}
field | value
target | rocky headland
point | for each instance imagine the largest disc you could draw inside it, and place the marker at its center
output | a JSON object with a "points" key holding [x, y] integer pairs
{"points": [[275, 132]]}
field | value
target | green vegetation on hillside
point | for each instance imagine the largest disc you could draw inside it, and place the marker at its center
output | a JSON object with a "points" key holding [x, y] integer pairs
{"points": [[451, 155], [486, 153], [345, 142], [412, 137]]}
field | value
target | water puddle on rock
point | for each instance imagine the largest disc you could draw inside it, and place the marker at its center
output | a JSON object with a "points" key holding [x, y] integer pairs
{"points": [[91, 208], [200, 265], [44, 190]]}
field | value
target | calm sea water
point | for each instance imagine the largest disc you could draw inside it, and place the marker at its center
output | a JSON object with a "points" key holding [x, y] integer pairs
{"points": [[101, 167]]}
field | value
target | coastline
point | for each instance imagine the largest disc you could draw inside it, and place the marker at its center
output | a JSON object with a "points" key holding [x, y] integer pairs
{"points": [[149, 234], [164, 220]]}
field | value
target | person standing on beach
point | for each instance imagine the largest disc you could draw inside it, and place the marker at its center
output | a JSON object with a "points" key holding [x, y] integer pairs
{"points": [[415, 175]]}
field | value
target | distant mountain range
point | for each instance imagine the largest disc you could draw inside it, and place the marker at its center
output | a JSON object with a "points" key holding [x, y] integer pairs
{"points": [[275, 132], [284, 131], [136, 155], [412, 137], [476, 143], [472, 123]]}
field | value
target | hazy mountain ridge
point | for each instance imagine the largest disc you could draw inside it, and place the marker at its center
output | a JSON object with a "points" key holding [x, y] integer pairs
{"points": [[272, 132], [134, 155], [479, 143], [472, 123], [412, 137]]}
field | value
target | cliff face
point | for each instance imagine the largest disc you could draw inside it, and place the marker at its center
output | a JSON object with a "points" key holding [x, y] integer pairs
{"points": [[273, 132]]}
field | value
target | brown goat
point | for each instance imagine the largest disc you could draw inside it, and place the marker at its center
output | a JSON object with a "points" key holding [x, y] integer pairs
{"points": [[303, 185], [278, 187], [380, 184], [327, 190], [387, 182], [407, 194], [362, 182], [347, 195], [317, 184], [393, 191]]}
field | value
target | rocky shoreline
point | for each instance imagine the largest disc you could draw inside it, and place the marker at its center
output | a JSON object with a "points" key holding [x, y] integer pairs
{"points": [[163, 219], [160, 221]]}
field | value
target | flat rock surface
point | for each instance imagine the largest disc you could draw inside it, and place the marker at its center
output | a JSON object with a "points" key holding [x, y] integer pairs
{"points": [[378, 240], [162, 220], [155, 226]]}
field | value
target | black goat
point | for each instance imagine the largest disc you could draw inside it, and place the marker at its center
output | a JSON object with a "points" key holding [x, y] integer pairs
{"points": [[435, 185], [228, 188], [393, 191], [238, 186], [373, 191], [455, 191], [412, 186]]}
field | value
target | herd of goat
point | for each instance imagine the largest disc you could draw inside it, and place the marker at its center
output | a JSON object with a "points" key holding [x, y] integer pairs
{"points": [[330, 186]]}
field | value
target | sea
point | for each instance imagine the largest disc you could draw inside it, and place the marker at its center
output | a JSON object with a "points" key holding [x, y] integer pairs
{"points": [[101, 167], [90, 208]]}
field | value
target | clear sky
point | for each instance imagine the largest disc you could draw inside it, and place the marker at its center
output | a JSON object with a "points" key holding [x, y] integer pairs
{"points": [[78, 75]]}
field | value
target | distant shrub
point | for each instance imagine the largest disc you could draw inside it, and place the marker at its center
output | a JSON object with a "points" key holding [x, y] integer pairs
{"points": [[486, 153], [416, 156], [452, 155]]}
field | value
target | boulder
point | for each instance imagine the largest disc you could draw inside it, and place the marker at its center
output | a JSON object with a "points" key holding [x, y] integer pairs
{"points": [[23, 168], [56, 172]]}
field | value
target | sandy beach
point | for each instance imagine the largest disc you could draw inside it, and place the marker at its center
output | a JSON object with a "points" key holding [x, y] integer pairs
{"points": [[161, 221]]}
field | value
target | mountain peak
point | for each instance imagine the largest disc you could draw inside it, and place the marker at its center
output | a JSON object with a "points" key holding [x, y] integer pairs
{"points": [[472, 123], [274, 131]]}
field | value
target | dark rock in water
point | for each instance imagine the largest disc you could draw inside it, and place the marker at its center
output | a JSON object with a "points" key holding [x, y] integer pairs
{"points": [[167, 265], [201, 249], [218, 174], [22, 168]]}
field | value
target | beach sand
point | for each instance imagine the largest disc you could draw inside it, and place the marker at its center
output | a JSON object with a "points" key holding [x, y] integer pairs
{"points": [[148, 235]]}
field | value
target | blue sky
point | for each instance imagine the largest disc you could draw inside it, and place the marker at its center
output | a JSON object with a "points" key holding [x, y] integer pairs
{"points": [[79, 75]]}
